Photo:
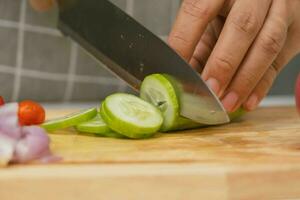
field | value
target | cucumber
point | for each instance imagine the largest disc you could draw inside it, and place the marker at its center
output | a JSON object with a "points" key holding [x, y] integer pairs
{"points": [[163, 92], [184, 123], [237, 114], [131, 116], [98, 127], [160, 92], [70, 120]]}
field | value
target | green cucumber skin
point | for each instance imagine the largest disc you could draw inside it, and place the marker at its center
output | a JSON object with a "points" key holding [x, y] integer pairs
{"points": [[110, 134], [119, 127], [164, 80], [95, 130], [102, 131], [237, 114], [91, 127], [182, 123], [48, 126]]}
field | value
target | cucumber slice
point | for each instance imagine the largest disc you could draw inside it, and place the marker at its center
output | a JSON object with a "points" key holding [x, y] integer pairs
{"points": [[237, 114], [183, 123], [160, 92], [95, 125], [98, 127], [131, 116], [70, 120]]}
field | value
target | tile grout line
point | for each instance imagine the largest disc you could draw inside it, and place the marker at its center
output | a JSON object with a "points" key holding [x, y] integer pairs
{"points": [[71, 72], [31, 28], [43, 75], [60, 77], [19, 59], [8, 24], [100, 80], [44, 30], [7, 69]]}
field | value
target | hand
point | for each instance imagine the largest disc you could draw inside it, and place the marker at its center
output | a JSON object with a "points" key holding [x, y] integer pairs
{"points": [[242, 44], [42, 5]]}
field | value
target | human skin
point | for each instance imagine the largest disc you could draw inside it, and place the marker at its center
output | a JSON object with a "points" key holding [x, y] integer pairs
{"points": [[238, 46]]}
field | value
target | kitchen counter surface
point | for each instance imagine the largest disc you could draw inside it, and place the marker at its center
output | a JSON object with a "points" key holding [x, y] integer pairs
{"points": [[257, 157]]}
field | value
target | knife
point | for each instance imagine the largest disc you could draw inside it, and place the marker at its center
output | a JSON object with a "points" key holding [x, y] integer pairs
{"points": [[132, 52]]}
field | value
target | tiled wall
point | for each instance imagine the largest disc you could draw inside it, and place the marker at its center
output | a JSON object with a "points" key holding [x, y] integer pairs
{"points": [[36, 62]]}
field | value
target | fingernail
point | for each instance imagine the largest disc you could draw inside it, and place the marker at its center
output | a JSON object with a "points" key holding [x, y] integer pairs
{"points": [[252, 102], [214, 85], [230, 101]]}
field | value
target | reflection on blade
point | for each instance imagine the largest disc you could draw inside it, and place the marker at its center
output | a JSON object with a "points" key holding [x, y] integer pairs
{"points": [[202, 109]]}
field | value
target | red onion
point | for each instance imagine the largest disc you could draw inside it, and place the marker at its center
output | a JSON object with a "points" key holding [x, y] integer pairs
{"points": [[7, 146], [9, 120], [33, 145], [21, 144]]}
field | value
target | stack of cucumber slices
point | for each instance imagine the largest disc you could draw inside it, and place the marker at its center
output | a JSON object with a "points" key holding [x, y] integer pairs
{"points": [[127, 116]]}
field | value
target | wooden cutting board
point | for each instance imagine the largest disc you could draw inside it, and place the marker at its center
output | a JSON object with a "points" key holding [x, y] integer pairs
{"points": [[257, 157]]}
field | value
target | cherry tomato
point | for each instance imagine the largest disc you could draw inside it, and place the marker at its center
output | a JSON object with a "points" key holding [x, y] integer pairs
{"points": [[1, 101], [31, 113]]}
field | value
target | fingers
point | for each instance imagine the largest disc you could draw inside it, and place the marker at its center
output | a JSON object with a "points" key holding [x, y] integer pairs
{"points": [[265, 84], [260, 56], [42, 5], [206, 44], [191, 22], [262, 88], [241, 27], [203, 49], [260, 91]]}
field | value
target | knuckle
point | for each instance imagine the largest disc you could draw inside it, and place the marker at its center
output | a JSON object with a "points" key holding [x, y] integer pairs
{"points": [[224, 65], [274, 69], [273, 41], [197, 9], [246, 22], [271, 44], [178, 38], [179, 44]]}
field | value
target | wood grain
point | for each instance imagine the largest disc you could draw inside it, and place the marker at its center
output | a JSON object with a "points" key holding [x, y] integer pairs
{"points": [[257, 157]]}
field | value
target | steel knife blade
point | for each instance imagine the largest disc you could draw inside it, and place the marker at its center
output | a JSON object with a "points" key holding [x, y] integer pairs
{"points": [[132, 52]]}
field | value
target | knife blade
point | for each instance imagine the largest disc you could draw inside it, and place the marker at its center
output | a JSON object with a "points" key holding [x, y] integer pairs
{"points": [[132, 52]]}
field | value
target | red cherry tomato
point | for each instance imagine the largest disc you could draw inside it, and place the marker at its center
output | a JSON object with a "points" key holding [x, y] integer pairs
{"points": [[31, 113], [1, 101]]}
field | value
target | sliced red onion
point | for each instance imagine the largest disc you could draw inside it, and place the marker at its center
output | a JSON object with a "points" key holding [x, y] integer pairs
{"points": [[9, 121], [7, 146], [9, 109], [21, 144], [33, 145]]}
